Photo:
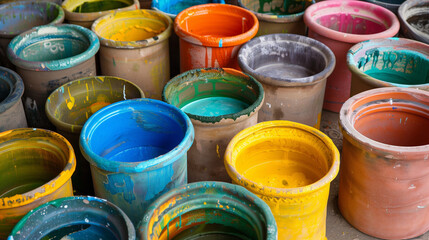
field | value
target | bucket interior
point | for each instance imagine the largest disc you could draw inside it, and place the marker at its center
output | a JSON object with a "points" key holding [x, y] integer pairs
{"points": [[282, 157], [27, 164], [89, 6], [176, 6], [351, 23], [75, 102], [17, 18], [418, 17], [276, 7], [5, 86]]}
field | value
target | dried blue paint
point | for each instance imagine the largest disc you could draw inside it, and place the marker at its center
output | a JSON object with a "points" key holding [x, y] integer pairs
{"points": [[173, 7], [145, 144]]}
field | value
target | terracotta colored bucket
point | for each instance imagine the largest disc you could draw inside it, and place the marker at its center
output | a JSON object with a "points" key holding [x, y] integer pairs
{"points": [[134, 46], [36, 166], [384, 180], [137, 150], [290, 166], [339, 25], [11, 110], [220, 103], [208, 210], [394, 62], [293, 71], [69, 106], [75, 218], [18, 17], [414, 17], [211, 35], [46, 57], [278, 16], [85, 12]]}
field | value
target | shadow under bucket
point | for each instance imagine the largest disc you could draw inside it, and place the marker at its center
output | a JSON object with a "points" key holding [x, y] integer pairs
{"points": [[389, 62], [137, 150]]}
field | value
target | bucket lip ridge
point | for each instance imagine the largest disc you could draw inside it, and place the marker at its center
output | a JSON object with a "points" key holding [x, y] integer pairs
{"points": [[312, 25], [407, 29], [287, 82], [16, 92], [74, 128], [65, 201], [58, 20], [250, 110], [163, 36], [282, 192], [133, 167], [403, 43], [211, 41], [91, 16], [39, 33], [183, 190], [52, 185], [347, 126]]}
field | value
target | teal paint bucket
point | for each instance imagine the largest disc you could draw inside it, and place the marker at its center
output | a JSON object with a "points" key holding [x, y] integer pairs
{"points": [[81, 217], [137, 150], [208, 210]]}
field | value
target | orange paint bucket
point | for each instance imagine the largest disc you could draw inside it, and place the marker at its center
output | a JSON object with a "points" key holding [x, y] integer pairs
{"points": [[210, 35]]}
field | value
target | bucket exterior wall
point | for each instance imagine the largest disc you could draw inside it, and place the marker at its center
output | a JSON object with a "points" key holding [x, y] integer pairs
{"points": [[339, 25], [69, 106], [392, 5], [11, 110], [81, 217], [272, 20], [299, 210], [89, 13], [18, 17], [213, 133], [414, 18], [295, 94], [211, 35], [392, 62], [137, 151], [384, 175], [43, 164], [50, 62], [202, 204], [134, 46]]}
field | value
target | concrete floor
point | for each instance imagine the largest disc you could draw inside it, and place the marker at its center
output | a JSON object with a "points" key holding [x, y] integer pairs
{"points": [[337, 228]]}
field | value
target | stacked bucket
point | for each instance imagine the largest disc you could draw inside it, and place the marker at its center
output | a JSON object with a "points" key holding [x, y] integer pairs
{"points": [[201, 119]]}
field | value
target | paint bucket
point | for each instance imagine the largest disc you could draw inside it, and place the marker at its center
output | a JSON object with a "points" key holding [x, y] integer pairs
{"points": [[290, 166], [85, 12], [392, 5], [137, 151], [339, 25], [278, 16], [18, 17], [46, 57], [134, 46], [293, 71], [208, 210], [36, 166], [11, 110], [414, 18], [220, 103], [394, 62], [81, 217], [69, 106], [210, 35], [384, 181]]}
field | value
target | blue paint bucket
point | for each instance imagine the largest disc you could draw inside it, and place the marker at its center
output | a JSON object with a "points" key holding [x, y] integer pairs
{"points": [[75, 218], [137, 150]]}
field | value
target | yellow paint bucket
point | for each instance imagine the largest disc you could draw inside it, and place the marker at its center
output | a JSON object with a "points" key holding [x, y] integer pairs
{"points": [[290, 166]]}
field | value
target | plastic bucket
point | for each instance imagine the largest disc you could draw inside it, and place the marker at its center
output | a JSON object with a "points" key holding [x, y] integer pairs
{"points": [[220, 103], [69, 106], [137, 150], [289, 166], [75, 218], [208, 210], [389, 62], [36, 166], [293, 70], [210, 35], [414, 18]]}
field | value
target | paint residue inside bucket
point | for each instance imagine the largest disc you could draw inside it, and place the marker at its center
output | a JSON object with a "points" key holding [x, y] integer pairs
{"points": [[420, 22], [348, 23], [99, 6], [176, 6], [276, 7], [136, 33], [215, 106], [282, 69], [48, 49]]}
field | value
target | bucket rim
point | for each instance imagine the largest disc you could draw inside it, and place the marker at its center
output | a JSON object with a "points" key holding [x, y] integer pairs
{"points": [[16, 91], [92, 16]]}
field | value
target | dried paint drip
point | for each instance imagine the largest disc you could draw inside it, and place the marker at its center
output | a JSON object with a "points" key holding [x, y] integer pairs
{"points": [[97, 6], [353, 24]]}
